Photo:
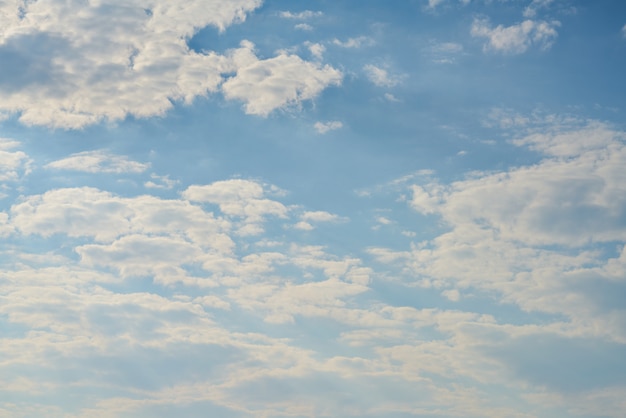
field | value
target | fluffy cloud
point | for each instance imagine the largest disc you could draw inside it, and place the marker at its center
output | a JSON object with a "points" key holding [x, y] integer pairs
{"points": [[534, 233], [13, 163], [515, 39], [99, 161], [285, 80], [86, 62]]}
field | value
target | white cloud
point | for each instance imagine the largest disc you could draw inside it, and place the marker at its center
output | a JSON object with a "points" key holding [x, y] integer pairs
{"points": [[531, 10], [380, 76], [77, 70], [317, 50], [357, 42], [285, 80], [13, 164], [315, 217], [99, 161], [307, 14], [108, 59], [160, 182], [515, 39], [324, 127], [303, 26], [624, 31], [531, 233], [237, 198]]}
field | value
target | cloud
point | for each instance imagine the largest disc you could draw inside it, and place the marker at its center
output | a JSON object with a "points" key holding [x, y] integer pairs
{"points": [[380, 76], [317, 50], [99, 161], [357, 42], [534, 233], [13, 164], [531, 10], [624, 31], [243, 199], [307, 218], [285, 80], [515, 39], [161, 182], [307, 14], [74, 70], [324, 127], [303, 26]]}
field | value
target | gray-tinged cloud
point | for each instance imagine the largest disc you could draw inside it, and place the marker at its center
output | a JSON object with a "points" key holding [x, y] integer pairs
{"points": [[73, 65], [515, 39], [99, 161]]}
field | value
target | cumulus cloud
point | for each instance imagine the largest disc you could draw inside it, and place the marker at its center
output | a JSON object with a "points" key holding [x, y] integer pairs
{"points": [[324, 127], [380, 76], [532, 232], [68, 68], [13, 163], [515, 39], [285, 80], [237, 198], [99, 161]]}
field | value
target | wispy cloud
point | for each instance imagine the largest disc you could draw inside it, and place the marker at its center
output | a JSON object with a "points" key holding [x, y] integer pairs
{"points": [[381, 76], [324, 127], [515, 39], [99, 161], [306, 14]]}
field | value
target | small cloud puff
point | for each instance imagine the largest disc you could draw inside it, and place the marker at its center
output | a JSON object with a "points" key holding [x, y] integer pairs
{"points": [[324, 127], [354, 42], [307, 218], [161, 182], [307, 14], [98, 161], [303, 26], [515, 39], [380, 76]]}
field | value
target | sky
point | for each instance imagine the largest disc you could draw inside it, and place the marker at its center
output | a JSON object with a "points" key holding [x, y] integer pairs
{"points": [[249, 208]]}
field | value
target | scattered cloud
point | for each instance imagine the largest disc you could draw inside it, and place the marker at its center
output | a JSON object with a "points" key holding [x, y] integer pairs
{"points": [[357, 42], [515, 39], [306, 14], [160, 182], [14, 164], [380, 76], [324, 127], [76, 70], [303, 26], [531, 10], [391, 98], [98, 161], [285, 80], [317, 50]]}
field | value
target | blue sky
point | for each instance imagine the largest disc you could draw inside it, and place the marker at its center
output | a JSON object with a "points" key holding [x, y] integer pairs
{"points": [[252, 208]]}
